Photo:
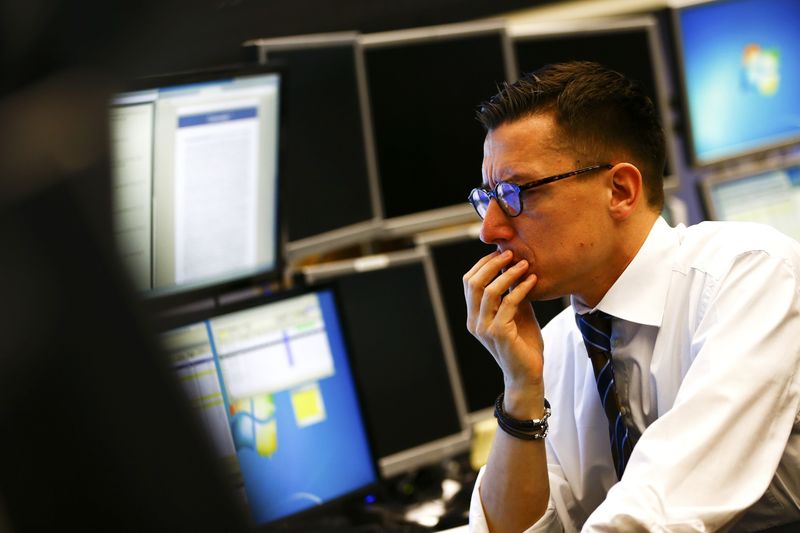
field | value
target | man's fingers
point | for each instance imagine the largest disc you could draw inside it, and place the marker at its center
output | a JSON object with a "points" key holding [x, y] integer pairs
{"points": [[477, 266], [476, 280], [510, 304], [495, 293]]}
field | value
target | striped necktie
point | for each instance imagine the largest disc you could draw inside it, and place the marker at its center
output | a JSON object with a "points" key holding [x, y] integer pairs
{"points": [[596, 330]]}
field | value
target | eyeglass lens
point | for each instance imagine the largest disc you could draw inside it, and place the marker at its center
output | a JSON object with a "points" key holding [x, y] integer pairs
{"points": [[507, 196]]}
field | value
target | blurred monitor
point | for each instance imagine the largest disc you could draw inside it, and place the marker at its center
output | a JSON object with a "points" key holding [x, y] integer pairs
{"points": [[740, 72], [768, 194], [329, 176], [97, 435], [272, 382], [401, 358], [629, 46], [424, 87], [195, 178], [453, 253]]}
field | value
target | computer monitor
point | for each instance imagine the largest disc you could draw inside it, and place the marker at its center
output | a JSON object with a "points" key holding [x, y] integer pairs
{"points": [[740, 76], [764, 193], [424, 87], [630, 46], [329, 174], [195, 178], [271, 379], [453, 252], [402, 358]]}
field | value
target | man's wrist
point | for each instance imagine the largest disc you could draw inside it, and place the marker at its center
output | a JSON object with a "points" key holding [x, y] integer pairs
{"points": [[524, 403], [528, 429]]}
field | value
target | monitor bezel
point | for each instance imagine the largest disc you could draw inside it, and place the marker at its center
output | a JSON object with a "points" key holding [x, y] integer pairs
{"points": [[694, 159], [525, 31], [410, 224], [367, 229], [161, 298], [173, 321], [429, 453], [747, 169]]}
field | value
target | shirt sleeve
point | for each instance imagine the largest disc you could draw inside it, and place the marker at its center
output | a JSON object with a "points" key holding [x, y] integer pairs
{"points": [[713, 454]]}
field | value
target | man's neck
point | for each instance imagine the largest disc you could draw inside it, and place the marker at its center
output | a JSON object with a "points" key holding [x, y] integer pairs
{"points": [[633, 234]]}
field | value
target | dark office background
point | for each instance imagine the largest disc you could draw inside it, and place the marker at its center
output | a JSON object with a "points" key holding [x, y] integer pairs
{"points": [[152, 37]]}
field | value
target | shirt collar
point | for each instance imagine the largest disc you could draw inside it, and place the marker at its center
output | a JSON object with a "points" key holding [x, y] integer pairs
{"points": [[640, 293]]}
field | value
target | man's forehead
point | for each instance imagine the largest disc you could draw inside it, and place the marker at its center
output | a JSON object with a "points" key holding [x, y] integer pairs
{"points": [[493, 173]]}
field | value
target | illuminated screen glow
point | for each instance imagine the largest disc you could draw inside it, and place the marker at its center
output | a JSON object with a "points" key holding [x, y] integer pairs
{"points": [[770, 197], [273, 387], [742, 75], [195, 180]]}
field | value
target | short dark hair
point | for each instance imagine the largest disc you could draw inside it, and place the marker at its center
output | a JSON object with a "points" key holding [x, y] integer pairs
{"points": [[597, 110]]}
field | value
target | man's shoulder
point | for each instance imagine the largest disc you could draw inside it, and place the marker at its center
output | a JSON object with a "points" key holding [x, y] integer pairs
{"points": [[713, 246]]}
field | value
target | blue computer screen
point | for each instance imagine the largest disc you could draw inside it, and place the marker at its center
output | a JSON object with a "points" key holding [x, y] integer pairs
{"points": [[273, 386], [741, 61]]}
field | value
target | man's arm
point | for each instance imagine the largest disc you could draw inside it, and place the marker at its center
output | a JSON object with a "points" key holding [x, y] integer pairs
{"points": [[514, 489]]}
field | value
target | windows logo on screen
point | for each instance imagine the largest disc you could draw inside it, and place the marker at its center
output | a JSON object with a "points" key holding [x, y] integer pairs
{"points": [[760, 69], [254, 426]]}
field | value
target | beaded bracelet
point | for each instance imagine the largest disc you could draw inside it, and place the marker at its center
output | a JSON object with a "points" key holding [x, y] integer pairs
{"points": [[535, 429]]}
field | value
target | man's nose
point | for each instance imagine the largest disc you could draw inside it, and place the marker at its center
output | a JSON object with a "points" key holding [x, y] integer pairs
{"points": [[496, 225]]}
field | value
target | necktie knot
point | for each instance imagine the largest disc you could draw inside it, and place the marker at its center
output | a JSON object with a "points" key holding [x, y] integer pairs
{"points": [[596, 330]]}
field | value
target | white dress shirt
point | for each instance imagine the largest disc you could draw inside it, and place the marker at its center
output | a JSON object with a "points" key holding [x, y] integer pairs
{"points": [[706, 348]]}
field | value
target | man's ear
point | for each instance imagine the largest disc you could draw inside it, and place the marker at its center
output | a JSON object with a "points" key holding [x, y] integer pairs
{"points": [[627, 190]]}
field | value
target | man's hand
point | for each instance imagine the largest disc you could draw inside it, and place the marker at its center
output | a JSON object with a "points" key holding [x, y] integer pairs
{"points": [[499, 316]]}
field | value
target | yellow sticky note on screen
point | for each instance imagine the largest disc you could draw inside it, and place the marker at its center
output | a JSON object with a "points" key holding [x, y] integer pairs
{"points": [[309, 408]]}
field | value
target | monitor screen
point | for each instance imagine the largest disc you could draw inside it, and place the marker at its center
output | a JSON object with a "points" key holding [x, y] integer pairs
{"points": [[329, 162], [741, 76], [195, 178], [481, 378], [771, 196], [272, 382], [628, 47], [400, 362], [424, 92]]}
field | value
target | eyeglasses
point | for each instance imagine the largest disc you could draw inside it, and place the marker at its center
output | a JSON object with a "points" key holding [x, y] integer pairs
{"points": [[508, 195]]}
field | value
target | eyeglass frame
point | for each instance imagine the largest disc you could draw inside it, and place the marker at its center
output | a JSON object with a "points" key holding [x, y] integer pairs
{"points": [[519, 189]]}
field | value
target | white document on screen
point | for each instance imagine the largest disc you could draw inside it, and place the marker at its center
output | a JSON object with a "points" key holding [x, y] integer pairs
{"points": [[216, 182]]}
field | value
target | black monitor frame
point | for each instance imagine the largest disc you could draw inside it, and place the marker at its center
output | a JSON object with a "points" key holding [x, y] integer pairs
{"points": [[432, 452], [408, 224], [566, 29], [158, 299], [262, 50]]}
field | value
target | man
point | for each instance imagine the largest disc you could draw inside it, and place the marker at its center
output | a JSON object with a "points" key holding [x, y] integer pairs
{"points": [[692, 335]]}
